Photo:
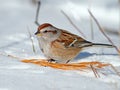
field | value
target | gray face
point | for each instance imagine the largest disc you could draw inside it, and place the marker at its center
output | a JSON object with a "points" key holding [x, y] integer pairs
{"points": [[50, 33], [45, 37]]}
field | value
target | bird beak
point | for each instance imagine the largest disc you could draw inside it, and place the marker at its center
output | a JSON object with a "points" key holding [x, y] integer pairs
{"points": [[38, 33]]}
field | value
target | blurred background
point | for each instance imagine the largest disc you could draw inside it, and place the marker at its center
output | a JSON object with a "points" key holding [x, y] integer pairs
{"points": [[17, 16]]}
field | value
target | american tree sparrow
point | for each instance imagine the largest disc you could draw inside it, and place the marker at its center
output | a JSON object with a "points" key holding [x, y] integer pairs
{"points": [[61, 45]]}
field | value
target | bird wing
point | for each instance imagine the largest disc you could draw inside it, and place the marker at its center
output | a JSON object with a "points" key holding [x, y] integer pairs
{"points": [[71, 40]]}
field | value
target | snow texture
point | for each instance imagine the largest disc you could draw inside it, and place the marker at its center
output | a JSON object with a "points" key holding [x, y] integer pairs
{"points": [[17, 16]]}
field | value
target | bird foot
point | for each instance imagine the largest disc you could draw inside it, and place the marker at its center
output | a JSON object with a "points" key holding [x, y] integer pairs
{"points": [[51, 61]]}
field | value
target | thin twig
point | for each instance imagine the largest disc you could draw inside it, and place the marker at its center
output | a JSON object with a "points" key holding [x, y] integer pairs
{"points": [[37, 13], [94, 71], [73, 24], [102, 30], [32, 42], [92, 30], [91, 22], [11, 56], [118, 73], [119, 19]]}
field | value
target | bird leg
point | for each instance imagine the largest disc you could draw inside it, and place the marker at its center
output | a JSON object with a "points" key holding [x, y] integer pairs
{"points": [[67, 61]]}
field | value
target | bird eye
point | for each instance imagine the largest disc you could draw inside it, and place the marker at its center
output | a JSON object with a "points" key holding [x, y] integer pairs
{"points": [[45, 31]]}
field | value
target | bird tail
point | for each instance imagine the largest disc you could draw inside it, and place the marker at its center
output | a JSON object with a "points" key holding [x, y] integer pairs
{"points": [[104, 45]]}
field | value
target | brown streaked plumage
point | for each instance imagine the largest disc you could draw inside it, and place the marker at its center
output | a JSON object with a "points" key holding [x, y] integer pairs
{"points": [[61, 45], [67, 38]]}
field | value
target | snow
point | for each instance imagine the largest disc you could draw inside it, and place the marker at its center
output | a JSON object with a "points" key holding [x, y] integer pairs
{"points": [[17, 16]]}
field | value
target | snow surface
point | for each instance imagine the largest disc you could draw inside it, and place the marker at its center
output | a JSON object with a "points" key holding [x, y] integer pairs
{"points": [[17, 16]]}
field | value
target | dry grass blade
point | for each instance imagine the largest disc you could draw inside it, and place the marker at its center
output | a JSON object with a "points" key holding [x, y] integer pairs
{"points": [[94, 71], [33, 46], [91, 22], [119, 18], [92, 30], [11, 56], [73, 23], [101, 29], [71, 66], [37, 13], [118, 73]]}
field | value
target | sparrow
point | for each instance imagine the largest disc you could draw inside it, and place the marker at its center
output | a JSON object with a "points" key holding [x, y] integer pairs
{"points": [[60, 45]]}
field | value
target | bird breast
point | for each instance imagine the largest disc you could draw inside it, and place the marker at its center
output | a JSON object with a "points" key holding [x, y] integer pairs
{"points": [[44, 46]]}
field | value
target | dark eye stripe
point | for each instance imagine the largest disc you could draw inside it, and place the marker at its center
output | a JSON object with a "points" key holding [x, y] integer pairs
{"points": [[54, 32], [45, 31]]}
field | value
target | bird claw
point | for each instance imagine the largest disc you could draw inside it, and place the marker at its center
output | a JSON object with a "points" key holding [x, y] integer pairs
{"points": [[51, 61]]}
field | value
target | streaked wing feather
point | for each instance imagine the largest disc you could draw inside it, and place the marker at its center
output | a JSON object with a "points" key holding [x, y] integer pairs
{"points": [[71, 40]]}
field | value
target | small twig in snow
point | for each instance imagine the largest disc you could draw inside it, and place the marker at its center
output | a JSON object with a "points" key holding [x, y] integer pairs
{"points": [[37, 14], [101, 29], [73, 24], [11, 56], [118, 73], [92, 30], [119, 19], [33, 46], [94, 71]]}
